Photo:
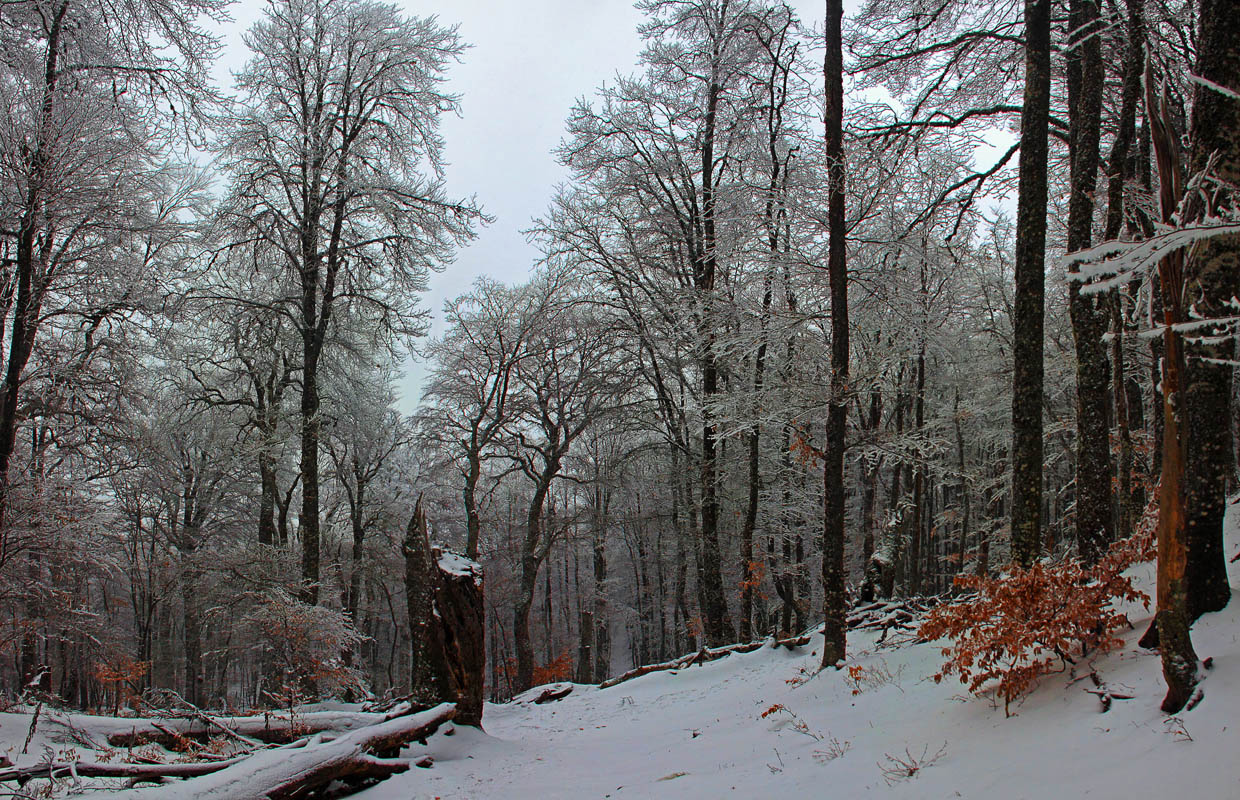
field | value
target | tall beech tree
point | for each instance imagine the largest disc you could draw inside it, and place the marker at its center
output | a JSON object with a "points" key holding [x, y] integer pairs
{"points": [[835, 595], [1028, 306], [1213, 275], [328, 151], [1090, 313]]}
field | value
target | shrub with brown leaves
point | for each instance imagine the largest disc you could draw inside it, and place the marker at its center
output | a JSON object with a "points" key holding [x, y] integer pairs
{"points": [[1016, 627]]}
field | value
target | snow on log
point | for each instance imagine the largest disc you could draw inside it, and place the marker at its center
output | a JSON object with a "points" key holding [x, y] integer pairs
{"points": [[94, 769], [270, 728], [287, 773]]}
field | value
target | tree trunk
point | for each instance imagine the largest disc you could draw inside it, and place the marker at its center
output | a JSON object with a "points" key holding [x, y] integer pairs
{"points": [[919, 479], [1094, 497], [426, 668], [1120, 166], [308, 522], [473, 521], [835, 596], [1212, 273], [717, 624], [267, 499], [460, 604], [602, 624], [1179, 661], [1027, 319], [533, 550]]}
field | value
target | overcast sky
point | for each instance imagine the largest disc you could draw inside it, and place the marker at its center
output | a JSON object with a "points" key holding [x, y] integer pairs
{"points": [[528, 62]]}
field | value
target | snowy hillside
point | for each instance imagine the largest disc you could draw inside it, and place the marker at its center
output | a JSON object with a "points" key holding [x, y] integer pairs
{"points": [[700, 733], [710, 731]]}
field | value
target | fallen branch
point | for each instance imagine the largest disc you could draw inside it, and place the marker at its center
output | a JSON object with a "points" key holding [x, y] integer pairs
{"points": [[287, 773], [95, 769], [553, 693], [1104, 693], [262, 728], [703, 656]]}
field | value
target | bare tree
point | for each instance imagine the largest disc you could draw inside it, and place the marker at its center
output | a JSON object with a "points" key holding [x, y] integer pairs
{"points": [[327, 150]]}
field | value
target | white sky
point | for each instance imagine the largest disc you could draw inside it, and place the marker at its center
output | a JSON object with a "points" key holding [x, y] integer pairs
{"points": [[528, 62]]}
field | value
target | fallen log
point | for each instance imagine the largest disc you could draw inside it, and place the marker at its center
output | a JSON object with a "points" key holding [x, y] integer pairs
{"points": [[554, 692], [703, 656], [270, 728], [289, 773], [95, 769]]}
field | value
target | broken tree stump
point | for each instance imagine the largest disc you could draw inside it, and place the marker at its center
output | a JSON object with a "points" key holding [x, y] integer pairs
{"points": [[459, 599], [447, 623]]}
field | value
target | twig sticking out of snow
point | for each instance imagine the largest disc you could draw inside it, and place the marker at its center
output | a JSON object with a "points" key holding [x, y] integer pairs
{"points": [[905, 768]]}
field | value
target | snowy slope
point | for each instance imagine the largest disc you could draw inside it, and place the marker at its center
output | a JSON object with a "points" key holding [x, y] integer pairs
{"points": [[700, 733]]}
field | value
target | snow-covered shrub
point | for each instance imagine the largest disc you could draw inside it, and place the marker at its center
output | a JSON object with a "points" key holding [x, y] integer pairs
{"points": [[1011, 629], [305, 644]]}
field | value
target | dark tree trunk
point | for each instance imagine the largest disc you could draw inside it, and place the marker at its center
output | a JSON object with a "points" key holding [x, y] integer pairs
{"points": [[193, 634], [585, 647], [473, 521], [920, 513], [717, 624], [427, 672], [1120, 166], [308, 522], [29, 260], [600, 620], [533, 551], [267, 500], [835, 596], [749, 580], [461, 605], [1027, 319], [1094, 521], [1212, 275]]}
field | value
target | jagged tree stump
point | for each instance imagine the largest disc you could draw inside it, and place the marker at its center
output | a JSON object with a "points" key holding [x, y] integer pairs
{"points": [[462, 615], [446, 617]]}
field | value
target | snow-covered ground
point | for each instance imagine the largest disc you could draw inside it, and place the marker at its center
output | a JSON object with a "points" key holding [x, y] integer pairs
{"points": [[700, 732]]}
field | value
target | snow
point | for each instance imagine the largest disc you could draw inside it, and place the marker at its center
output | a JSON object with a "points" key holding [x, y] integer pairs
{"points": [[457, 564], [698, 732]]}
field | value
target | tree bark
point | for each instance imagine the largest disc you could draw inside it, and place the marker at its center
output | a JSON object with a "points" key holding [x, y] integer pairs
{"points": [[1028, 307], [1094, 497], [1120, 166], [461, 605], [1212, 273], [716, 622], [1179, 661], [427, 671], [835, 595]]}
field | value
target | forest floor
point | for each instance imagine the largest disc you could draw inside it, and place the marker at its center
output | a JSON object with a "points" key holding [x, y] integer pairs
{"points": [[700, 732]]}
